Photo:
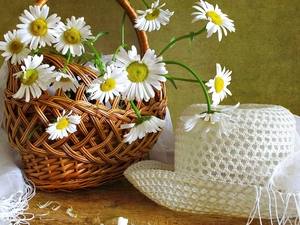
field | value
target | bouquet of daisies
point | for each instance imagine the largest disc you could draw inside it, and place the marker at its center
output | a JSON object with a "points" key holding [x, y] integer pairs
{"points": [[126, 74]]}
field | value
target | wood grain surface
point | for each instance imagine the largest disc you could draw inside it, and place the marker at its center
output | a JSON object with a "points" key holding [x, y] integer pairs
{"points": [[106, 203]]}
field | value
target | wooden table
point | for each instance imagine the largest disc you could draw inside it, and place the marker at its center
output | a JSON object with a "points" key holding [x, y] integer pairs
{"points": [[106, 203]]}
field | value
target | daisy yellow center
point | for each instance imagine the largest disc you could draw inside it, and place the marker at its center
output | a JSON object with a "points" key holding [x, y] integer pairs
{"points": [[38, 27], [137, 72], [62, 124], [64, 79], [219, 84], [141, 120], [204, 119], [30, 77], [72, 36], [215, 17], [153, 15], [16, 46], [108, 85]]}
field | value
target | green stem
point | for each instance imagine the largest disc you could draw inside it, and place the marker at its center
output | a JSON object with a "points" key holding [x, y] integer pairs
{"points": [[137, 112], [34, 130], [117, 50], [67, 62], [98, 60], [123, 29], [181, 79], [146, 4], [190, 36], [209, 109], [122, 37]]}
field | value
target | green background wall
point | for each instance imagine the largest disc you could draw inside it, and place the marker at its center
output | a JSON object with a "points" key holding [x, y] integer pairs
{"points": [[263, 53]]}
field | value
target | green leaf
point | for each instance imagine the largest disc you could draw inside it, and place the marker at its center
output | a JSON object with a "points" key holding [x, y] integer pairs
{"points": [[172, 82], [99, 35], [172, 39], [192, 36]]}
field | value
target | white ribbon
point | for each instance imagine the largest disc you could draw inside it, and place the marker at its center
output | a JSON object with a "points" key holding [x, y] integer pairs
{"points": [[286, 175], [163, 150]]}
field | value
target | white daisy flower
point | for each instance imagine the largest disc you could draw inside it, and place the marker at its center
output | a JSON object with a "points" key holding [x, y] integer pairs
{"points": [[94, 68], [217, 122], [143, 125], [34, 77], [218, 21], [64, 81], [65, 124], [218, 85], [108, 86], [37, 28], [107, 59], [152, 19], [13, 47], [71, 35], [143, 74]]}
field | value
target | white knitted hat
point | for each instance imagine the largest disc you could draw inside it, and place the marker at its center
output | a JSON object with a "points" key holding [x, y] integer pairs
{"points": [[230, 175]]}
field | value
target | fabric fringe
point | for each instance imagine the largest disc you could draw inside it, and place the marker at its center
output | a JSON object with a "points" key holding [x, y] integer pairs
{"points": [[284, 208], [12, 210], [283, 189]]}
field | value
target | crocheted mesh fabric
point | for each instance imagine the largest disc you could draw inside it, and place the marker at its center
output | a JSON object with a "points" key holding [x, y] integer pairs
{"points": [[228, 175], [263, 137], [187, 193]]}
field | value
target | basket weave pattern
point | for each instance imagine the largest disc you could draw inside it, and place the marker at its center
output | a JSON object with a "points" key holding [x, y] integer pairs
{"points": [[95, 153]]}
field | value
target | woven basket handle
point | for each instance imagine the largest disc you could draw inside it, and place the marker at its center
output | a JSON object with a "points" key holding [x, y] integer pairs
{"points": [[141, 35]]}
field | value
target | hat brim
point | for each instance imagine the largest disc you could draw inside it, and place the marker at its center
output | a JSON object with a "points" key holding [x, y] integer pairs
{"points": [[188, 193]]}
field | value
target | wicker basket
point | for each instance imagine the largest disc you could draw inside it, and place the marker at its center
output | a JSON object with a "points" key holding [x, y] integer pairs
{"points": [[93, 155]]}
